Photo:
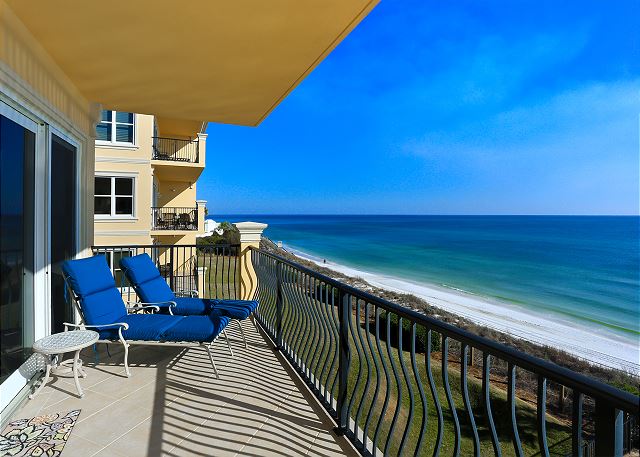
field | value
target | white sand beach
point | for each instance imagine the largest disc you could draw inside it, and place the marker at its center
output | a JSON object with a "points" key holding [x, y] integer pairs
{"points": [[598, 346]]}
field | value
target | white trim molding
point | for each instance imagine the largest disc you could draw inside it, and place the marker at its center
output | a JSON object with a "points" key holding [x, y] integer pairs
{"points": [[123, 233], [122, 160]]}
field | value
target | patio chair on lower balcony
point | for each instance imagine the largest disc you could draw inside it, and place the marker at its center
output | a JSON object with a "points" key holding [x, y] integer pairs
{"points": [[102, 308], [153, 289]]}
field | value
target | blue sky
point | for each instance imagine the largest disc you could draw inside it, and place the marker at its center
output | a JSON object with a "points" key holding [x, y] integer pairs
{"points": [[459, 107]]}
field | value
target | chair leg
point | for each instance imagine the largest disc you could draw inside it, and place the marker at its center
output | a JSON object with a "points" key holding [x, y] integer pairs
{"points": [[244, 338], [215, 369], [126, 352], [226, 337], [253, 321], [126, 360]]}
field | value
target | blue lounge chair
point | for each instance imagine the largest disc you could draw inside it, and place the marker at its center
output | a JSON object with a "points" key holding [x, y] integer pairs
{"points": [[102, 308], [153, 289]]}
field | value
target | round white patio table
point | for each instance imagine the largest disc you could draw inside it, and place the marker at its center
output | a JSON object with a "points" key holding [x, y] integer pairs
{"points": [[53, 347]]}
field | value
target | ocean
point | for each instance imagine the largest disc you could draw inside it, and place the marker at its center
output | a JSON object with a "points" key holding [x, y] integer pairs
{"points": [[583, 271]]}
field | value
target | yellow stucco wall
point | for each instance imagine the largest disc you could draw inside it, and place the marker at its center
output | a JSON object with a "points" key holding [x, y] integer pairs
{"points": [[132, 161]]}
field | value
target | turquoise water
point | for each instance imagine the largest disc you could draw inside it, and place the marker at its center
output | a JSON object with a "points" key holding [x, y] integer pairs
{"points": [[585, 269]]}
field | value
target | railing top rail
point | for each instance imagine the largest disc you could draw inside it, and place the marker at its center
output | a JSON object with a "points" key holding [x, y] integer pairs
{"points": [[555, 373], [186, 140], [174, 207], [150, 246]]}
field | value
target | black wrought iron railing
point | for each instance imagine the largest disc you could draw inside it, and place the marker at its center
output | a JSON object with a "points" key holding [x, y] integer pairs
{"points": [[207, 271], [175, 149], [398, 382], [174, 218]]}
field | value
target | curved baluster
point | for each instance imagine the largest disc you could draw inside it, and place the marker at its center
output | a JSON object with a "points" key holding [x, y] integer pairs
{"points": [[511, 402], [354, 392], [383, 411], [434, 394], [405, 374], [542, 416], [318, 332], [465, 397], [396, 377], [576, 428], [486, 390], [423, 397], [366, 359], [447, 391], [327, 340], [336, 326], [376, 391]]}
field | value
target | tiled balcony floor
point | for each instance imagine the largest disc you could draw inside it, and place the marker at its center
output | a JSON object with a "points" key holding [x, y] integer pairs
{"points": [[172, 405]]}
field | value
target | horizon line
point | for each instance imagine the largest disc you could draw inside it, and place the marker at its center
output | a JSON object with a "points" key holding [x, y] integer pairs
{"points": [[423, 214]]}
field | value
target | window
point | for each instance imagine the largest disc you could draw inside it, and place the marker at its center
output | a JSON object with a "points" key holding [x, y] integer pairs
{"points": [[116, 127], [113, 260], [113, 196]]}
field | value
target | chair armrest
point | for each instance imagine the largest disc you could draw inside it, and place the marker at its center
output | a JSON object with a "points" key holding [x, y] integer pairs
{"points": [[142, 308], [155, 305], [124, 325], [186, 293]]}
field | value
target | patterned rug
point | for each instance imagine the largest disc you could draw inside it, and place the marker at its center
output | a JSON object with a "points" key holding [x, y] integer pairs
{"points": [[40, 436]]}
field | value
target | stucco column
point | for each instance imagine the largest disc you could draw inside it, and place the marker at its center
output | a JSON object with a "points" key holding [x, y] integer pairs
{"points": [[202, 148], [201, 205], [201, 275], [250, 234]]}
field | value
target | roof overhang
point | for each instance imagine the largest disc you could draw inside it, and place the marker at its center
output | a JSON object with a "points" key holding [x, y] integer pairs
{"points": [[190, 61]]}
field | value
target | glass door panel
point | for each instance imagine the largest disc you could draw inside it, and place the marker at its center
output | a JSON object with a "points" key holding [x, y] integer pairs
{"points": [[17, 184], [63, 226]]}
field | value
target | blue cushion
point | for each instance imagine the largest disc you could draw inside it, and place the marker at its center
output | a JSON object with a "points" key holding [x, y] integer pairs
{"points": [[188, 306], [92, 282], [196, 328], [104, 307], [88, 275], [148, 327], [142, 268], [150, 286], [235, 309]]}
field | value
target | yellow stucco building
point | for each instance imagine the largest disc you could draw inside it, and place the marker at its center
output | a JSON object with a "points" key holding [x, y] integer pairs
{"points": [[145, 183]]}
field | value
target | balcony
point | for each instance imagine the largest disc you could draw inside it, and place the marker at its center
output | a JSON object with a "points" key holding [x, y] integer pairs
{"points": [[175, 150], [174, 219], [392, 381], [177, 158]]}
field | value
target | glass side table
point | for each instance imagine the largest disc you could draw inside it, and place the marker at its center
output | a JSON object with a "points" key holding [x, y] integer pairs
{"points": [[53, 347]]}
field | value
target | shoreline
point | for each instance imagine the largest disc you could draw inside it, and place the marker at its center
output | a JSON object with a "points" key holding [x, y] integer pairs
{"points": [[582, 342]]}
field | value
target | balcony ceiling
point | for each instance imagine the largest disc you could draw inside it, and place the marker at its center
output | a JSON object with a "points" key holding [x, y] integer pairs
{"points": [[200, 60]]}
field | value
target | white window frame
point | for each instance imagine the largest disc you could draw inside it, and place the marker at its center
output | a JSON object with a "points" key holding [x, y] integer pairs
{"points": [[113, 215], [119, 144], [109, 255]]}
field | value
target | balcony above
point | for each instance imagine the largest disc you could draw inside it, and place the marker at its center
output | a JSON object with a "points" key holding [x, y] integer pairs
{"points": [[178, 159], [175, 150], [170, 220]]}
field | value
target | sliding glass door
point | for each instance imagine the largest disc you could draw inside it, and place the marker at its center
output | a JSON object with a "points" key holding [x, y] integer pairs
{"points": [[17, 181], [63, 226]]}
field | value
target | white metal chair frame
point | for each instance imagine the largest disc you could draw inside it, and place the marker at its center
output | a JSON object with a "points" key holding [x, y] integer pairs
{"points": [[124, 326]]}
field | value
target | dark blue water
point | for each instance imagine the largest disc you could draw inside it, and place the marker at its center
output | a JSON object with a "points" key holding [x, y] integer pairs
{"points": [[583, 268]]}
